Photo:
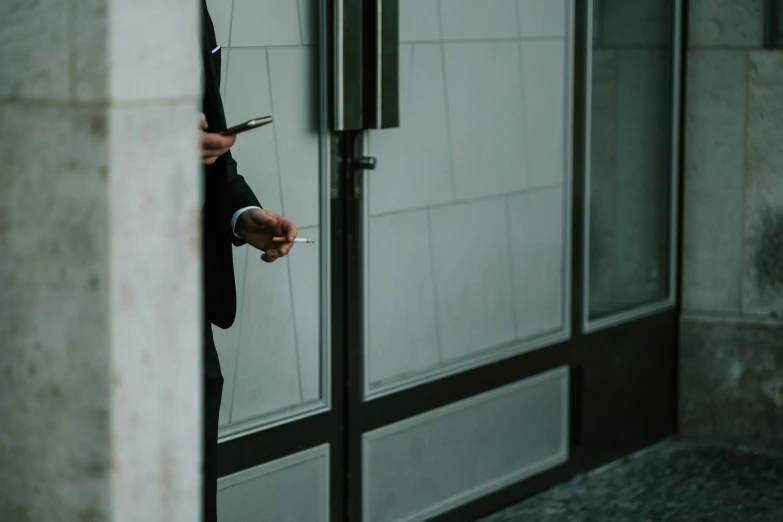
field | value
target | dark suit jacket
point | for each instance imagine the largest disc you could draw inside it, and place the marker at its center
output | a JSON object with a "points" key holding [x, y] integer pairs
{"points": [[226, 192]]}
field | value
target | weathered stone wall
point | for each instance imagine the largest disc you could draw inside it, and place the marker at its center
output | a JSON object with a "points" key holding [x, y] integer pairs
{"points": [[732, 329], [100, 307]]}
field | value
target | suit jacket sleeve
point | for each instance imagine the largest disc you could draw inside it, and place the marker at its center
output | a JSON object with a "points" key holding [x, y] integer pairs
{"points": [[239, 193]]}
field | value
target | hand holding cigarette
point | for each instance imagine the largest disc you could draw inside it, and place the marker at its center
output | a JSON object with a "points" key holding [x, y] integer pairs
{"points": [[261, 228]]}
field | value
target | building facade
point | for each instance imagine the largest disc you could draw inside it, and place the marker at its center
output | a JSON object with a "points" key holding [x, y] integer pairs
{"points": [[548, 236]]}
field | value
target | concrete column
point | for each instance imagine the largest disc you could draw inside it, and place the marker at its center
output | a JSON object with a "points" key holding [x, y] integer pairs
{"points": [[100, 337]]}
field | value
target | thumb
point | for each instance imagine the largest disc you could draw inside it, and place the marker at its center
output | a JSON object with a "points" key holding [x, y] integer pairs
{"points": [[202, 121]]}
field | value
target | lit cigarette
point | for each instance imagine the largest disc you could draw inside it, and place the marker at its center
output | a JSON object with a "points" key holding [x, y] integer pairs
{"points": [[297, 240]]}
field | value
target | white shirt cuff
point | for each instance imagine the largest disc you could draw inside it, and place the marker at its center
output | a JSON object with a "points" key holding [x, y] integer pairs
{"points": [[235, 218]]}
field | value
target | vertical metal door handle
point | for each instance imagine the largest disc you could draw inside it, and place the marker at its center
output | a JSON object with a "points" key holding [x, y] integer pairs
{"points": [[382, 76], [347, 64], [366, 64]]}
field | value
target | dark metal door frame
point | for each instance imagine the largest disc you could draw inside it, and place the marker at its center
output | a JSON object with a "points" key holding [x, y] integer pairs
{"points": [[623, 378]]}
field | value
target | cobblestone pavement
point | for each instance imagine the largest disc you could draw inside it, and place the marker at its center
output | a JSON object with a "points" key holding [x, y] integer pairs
{"points": [[678, 482]]}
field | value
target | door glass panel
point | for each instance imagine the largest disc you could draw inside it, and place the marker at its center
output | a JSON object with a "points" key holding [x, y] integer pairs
{"points": [[467, 237], [630, 156], [274, 356]]}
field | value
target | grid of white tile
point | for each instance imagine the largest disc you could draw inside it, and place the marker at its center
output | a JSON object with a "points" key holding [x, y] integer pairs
{"points": [[271, 357], [467, 231], [469, 242]]}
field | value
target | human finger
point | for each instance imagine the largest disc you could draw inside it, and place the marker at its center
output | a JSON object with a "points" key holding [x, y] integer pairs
{"points": [[208, 157], [216, 142], [288, 229], [270, 256]]}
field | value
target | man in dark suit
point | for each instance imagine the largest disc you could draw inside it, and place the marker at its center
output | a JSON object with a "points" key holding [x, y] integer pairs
{"points": [[231, 215]]}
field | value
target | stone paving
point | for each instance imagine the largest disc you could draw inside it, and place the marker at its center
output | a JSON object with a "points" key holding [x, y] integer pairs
{"points": [[677, 482]]}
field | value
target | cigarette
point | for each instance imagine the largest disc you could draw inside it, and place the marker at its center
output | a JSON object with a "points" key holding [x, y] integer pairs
{"points": [[297, 240]]}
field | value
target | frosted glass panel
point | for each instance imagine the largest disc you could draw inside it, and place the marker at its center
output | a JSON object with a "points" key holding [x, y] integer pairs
{"points": [[487, 116], [265, 23], [419, 21], [538, 18], [273, 356], [471, 20], [404, 328], [467, 237], [536, 248], [545, 73], [292, 489], [474, 296], [429, 464], [405, 155]]}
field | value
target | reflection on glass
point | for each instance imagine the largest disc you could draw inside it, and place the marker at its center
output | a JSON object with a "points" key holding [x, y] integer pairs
{"points": [[631, 131], [272, 357], [481, 153]]}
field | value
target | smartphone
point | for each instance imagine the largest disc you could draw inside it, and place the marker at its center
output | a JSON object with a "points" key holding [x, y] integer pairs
{"points": [[248, 125]]}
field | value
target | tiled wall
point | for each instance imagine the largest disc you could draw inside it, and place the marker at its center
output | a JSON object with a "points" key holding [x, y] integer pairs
{"points": [[271, 357], [467, 229], [733, 224]]}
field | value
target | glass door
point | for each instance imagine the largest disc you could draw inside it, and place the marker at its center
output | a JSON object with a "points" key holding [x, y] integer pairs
{"points": [[467, 232], [280, 422], [491, 305], [512, 254], [462, 253], [625, 286]]}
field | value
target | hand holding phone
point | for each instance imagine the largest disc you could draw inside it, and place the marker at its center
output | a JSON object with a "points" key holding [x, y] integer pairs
{"points": [[212, 145], [248, 125]]}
